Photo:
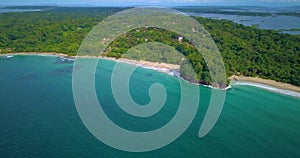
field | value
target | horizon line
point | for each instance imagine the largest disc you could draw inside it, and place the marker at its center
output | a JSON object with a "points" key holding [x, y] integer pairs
{"points": [[278, 4]]}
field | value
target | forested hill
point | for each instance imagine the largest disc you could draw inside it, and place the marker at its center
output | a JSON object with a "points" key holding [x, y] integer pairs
{"points": [[256, 52], [247, 51]]}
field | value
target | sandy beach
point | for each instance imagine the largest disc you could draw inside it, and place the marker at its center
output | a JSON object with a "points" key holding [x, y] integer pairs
{"points": [[271, 85], [173, 70], [36, 53], [170, 69], [141, 63]]}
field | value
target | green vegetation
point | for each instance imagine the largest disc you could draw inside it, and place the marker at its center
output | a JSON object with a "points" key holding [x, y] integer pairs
{"points": [[143, 35], [254, 52], [155, 52], [55, 30], [247, 51]]}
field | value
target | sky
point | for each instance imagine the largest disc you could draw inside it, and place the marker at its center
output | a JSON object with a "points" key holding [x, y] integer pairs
{"points": [[153, 2]]}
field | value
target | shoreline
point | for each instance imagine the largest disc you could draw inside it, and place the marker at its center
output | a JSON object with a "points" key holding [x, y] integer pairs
{"points": [[161, 67], [170, 69], [141, 63], [173, 70], [37, 53], [267, 84]]}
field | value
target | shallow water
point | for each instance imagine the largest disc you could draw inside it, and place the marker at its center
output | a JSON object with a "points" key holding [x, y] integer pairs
{"points": [[38, 117]]}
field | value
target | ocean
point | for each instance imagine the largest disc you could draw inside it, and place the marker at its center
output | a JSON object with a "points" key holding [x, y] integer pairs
{"points": [[38, 117]]}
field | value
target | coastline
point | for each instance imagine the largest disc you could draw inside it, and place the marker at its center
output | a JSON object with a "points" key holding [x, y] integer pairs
{"points": [[170, 69], [173, 70], [146, 64], [37, 53], [271, 85]]}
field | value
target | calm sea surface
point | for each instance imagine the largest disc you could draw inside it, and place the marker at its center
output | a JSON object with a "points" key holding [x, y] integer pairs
{"points": [[263, 22], [18, 10], [38, 117]]}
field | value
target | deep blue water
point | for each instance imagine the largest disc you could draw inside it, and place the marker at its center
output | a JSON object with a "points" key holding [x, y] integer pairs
{"points": [[38, 117]]}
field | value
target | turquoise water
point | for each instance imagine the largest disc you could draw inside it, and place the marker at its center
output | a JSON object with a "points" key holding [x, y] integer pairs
{"points": [[38, 116]]}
